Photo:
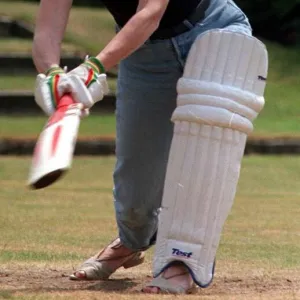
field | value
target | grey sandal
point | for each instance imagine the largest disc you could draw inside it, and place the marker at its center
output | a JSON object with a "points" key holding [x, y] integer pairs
{"points": [[96, 268]]}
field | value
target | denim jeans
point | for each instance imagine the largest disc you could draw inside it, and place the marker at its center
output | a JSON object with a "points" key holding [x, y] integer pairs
{"points": [[146, 99]]}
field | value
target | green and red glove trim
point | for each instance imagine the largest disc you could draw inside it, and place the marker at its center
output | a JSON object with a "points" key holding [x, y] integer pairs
{"points": [[95, 67], [54, 70], [54, 73]]}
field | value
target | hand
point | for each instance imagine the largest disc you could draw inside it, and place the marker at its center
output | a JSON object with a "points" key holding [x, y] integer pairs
{"points": [[52, 86], [92, 74], [84, 83]]}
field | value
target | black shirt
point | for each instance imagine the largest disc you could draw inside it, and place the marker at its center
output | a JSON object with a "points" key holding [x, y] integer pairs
{"points": [[176, 12]]}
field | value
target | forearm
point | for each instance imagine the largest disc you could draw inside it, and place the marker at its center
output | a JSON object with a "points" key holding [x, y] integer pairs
{"points": [[133, 35], [50, 27]]}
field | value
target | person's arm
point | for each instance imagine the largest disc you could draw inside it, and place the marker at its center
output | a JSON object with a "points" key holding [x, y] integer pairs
{"points": [[133, 35], [52, 18], [52, 21]]}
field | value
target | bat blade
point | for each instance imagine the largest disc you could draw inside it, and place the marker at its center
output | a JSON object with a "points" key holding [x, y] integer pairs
{"points": [[53, 153]]}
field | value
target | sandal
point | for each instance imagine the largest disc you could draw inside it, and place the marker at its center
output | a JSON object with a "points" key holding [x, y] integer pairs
{"points": [[96, 268]]}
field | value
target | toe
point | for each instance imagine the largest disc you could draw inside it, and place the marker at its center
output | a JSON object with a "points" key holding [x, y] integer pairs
{"points": [[151, 290], [78, 275]]}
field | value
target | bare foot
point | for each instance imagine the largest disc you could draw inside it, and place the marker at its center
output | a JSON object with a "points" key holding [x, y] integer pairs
{"points": [[177, 275], [114, 254], [112, 257]]}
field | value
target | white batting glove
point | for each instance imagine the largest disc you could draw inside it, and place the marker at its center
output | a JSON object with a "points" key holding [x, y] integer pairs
{"points": [[52, 86], [85, 84], [92, 74]]}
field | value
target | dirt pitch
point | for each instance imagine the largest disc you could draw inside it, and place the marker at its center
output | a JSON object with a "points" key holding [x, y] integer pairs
{"points": [[16, 281]]}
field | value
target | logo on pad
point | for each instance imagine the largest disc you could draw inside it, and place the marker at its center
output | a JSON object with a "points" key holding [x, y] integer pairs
{"points": [[262, 78], [177, 252]]}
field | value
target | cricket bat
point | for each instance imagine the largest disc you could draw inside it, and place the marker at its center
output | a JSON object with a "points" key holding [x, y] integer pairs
{"points": [[54, 149]]}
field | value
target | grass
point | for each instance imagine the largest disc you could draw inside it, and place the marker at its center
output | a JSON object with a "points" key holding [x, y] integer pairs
{"points": [[24, 46], [56, 228], [27, 83], [28, 126], [47, 207], [89, 29], [281, 113], [17, 83]]}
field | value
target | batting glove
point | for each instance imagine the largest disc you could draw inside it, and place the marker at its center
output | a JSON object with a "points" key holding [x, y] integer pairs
{"points": [[92, 74], [50, 87]]}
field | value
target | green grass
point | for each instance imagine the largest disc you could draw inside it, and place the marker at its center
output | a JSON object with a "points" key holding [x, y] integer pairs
{"points": [[264, 223], [72, 209], [89, 29], [17, 83], [28, 126], [27, 83], [24, 46], [261, 228], [65, 223], [281, 113]]}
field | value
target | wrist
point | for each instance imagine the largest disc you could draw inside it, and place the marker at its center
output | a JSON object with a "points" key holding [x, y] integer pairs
{"points": [[107, 59], [54, 69], [95, 63]]}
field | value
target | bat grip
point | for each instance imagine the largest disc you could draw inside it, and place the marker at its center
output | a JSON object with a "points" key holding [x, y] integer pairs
{"points": [[65, 100], [62, 106]]}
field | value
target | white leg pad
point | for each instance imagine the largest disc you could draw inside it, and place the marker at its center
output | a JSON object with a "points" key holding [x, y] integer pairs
{"points": [[219, 95]]}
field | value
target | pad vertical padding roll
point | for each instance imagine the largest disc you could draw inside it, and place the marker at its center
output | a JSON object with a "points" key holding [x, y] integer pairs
{"points": [[230, 59], [219, 95]]}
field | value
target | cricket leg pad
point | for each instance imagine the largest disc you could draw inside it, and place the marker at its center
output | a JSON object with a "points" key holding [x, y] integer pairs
{"points": [[220, 94]]}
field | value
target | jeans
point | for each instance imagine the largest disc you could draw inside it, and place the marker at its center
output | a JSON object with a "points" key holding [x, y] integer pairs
{"points": [[146, 99]]}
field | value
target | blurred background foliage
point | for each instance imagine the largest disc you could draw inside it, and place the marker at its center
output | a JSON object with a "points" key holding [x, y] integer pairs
{"points": [[276, 20]]}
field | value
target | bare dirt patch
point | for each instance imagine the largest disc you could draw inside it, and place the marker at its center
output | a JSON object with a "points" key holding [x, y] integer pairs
{"points": [[54, 280]]}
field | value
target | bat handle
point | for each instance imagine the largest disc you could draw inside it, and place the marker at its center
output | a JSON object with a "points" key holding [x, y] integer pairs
{"points": [[65, 100], [63, 105]]}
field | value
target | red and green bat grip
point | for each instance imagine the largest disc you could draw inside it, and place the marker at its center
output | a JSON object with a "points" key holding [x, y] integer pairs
{"points": [[63, 105]]}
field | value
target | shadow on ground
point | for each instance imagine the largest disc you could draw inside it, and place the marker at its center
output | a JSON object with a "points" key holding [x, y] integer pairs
{"points": [[50, 280]]}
